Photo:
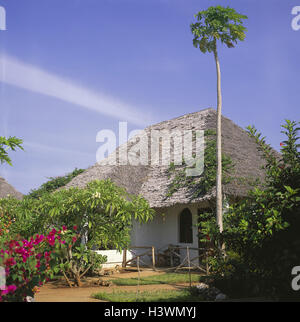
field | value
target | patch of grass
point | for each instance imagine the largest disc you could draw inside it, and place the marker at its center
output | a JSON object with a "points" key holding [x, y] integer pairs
{"points": [[168, 278], [149, 296]]}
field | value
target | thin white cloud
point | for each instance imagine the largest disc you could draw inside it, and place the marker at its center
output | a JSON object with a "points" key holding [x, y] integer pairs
{"points": [[52, 149], [32, 78]]}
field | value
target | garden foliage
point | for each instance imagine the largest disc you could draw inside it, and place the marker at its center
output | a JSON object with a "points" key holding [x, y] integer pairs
{"points": [[101, 214], [261, 232], [29, 263]]}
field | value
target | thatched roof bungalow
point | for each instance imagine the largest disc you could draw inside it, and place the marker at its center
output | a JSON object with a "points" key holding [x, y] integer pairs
{"points": [[177, 226]]}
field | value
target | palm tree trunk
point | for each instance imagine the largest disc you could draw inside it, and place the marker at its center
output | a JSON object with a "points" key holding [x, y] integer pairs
{"points": [[219, 205]]}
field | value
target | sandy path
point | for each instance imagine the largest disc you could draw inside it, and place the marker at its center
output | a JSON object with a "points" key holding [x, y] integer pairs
{"points": [[84, 294], [52, 292]]}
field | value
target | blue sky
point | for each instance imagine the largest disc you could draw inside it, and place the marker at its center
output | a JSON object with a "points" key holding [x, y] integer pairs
{"points": [[72, 68]]}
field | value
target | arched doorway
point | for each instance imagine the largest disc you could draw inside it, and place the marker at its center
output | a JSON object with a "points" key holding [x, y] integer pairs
{"points": [[186, 227]]}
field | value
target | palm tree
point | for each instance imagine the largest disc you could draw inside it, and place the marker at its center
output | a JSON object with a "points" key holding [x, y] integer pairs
{"points": [[213, 24]]}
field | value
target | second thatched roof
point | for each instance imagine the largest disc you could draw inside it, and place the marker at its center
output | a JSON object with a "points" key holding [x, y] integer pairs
{"points": [[152, 181], [6, 190]]}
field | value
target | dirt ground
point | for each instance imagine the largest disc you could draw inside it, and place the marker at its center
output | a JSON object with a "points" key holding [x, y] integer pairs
{"points": [[59, 292]]}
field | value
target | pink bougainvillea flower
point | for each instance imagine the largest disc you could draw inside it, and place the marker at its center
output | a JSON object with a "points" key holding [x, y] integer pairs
{"points": [[4, 292], [51, 240], [10, 262], [9, 289], [31, 272], [38, 239], [52, 232], [12, 244], [75, 227]]}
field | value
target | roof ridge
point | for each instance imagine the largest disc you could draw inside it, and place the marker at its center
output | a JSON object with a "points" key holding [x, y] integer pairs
{"points": [[182, 116]]}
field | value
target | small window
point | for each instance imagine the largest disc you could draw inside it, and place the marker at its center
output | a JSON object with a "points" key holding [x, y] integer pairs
{"points": [[185, 227]]}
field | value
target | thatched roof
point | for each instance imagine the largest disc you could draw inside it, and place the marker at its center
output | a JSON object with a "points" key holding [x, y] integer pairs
{"points": [[7, 190], [152, 181]]}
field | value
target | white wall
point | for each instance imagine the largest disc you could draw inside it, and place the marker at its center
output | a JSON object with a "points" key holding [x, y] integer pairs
{"points": [[161, 232], [164, 230], [114, 257]]}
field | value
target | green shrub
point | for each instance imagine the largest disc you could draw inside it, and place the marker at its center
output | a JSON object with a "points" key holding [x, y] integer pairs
{"points": [[263, 229]]}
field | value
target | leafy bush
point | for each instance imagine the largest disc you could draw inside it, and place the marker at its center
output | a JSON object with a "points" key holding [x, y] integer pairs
{"points": [[19, 219], [54, 183], [263, 229], [30, 263], [80, 261], [102, 213], [95, 262]]}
